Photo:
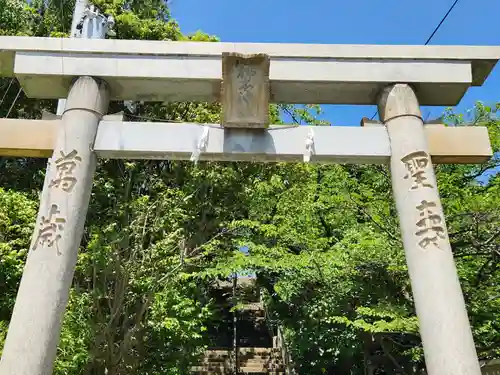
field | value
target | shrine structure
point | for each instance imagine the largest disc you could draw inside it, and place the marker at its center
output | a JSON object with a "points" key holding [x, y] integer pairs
{"points": [[245, 78]]}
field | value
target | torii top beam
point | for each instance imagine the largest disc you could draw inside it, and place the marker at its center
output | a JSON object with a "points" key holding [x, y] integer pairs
{"points": [[299, 73]]}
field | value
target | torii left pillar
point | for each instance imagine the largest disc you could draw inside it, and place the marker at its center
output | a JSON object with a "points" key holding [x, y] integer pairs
{"points": [[34, 330]]}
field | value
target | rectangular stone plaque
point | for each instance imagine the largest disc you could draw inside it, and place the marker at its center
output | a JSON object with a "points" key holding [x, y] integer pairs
{"points": [[245, 90]]}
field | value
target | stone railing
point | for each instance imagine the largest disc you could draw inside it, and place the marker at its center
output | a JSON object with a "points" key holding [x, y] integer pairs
{"points": [[490, 367], [287, 358]]}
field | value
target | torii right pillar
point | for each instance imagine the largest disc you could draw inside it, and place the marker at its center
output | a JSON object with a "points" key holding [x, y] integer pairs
{"points": [[444, 326]]}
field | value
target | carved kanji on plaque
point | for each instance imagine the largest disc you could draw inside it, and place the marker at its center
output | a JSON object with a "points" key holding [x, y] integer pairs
{"points": [[65, 166], [430, 227], [245, 90], [50, 229], [244, 76], [416, 164]]}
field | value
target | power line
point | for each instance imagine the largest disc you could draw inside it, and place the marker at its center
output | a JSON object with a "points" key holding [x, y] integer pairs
{"points": [[14, 102], [433, 33], [6, 91], [440, 23], [154, 119]]}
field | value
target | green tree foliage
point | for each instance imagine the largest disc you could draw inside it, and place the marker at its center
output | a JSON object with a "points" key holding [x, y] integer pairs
{"points": [[324, 242], [17, 212], [323, 239]]}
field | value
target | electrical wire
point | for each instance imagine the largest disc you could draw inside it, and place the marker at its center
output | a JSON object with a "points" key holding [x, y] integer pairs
{"points": [[62, 16], [432, 35], [14, 102], [6, 91], [440, 23], [154, 119]]}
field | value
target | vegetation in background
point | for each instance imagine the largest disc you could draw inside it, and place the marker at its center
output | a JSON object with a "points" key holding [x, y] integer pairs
{"points": [[323, 239]]}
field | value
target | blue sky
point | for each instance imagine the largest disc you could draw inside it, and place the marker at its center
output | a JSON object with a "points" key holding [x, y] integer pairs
{"points": [[351, 22]]}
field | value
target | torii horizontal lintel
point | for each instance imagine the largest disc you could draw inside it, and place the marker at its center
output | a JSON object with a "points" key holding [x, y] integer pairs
{"points": [[178, 141], [177, 71]]}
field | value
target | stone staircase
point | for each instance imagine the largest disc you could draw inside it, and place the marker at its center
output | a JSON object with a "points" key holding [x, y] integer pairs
{"points": [[259, 351], [250, 361]]}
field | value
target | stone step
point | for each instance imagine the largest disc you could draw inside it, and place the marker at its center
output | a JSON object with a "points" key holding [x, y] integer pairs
{"points": [[242, 365], [267, 358], [242, 360], [244, 351], [252, 360], [223, 372], [243, 357], [242, 369], [267, 364]]}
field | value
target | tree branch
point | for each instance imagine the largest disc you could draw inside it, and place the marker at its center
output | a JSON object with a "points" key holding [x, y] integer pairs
{"points": [[380, 226], [388, 354]]}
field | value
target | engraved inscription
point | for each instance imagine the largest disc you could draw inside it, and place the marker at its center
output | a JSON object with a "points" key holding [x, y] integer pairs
{"points": [[416, 164], [244, 75], [245, 90], [65, 167], [50, 229], [430, 225]]}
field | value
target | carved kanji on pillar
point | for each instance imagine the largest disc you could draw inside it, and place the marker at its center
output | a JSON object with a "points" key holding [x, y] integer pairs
{"points": [[430, 226], [65, 166], [50, 229], [416, 164]]}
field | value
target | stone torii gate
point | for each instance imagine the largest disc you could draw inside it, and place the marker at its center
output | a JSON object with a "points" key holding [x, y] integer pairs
{"points": [[245, 78]]}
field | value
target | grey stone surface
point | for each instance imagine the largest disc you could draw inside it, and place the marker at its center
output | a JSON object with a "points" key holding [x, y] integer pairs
{"points": [[299, 73], [34, 330], [444, 326]]}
